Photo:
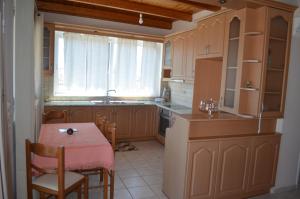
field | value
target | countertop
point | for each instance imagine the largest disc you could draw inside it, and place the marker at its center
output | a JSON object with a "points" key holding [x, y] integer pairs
{"points": [[216, 116], [178, 109]]}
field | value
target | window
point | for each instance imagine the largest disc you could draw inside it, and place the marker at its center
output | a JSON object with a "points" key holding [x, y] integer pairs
{"points": [[89, 65]]}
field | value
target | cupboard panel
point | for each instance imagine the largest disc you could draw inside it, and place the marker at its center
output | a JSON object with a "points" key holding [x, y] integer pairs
{"points": [[202, 166], [233, 164]]}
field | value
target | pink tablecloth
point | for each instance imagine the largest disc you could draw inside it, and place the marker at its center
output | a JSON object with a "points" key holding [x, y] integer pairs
{"points": [[85, 149]]}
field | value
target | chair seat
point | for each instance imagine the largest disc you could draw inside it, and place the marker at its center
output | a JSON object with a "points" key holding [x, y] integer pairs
{"points": [[50, 181]]}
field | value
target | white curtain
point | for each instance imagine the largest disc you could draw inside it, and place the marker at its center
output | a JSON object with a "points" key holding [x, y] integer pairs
{"points": [[88, 65], [81, 64], [135, 68]]}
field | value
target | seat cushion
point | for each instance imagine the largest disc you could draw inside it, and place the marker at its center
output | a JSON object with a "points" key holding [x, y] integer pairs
{"points": [[50, 181]]}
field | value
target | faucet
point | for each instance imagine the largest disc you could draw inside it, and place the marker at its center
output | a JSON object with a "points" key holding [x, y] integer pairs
{"points": [[107, 98]]}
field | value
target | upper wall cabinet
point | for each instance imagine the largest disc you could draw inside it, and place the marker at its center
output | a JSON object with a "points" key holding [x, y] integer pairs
{"points": [[189, 57], [232, 62], [276, 62], [48, 48], [178, 57], [167, 54], [265, 62], [210, 37], [183, 56]]}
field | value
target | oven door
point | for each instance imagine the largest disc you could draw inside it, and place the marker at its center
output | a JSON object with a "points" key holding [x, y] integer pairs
{"points": [[164, 122]]}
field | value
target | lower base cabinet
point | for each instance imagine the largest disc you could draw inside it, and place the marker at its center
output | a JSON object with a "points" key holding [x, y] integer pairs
{"points": [[231, 168], [135, 122]]}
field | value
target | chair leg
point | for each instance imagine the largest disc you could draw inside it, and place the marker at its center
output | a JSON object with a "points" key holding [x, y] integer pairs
{"points": [[29, 193], [105, 185], [79, 192], [112, 184], [42, 195], [86, 187], [101, 176]]}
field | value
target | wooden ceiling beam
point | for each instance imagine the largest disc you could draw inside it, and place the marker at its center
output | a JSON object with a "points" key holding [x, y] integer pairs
{"points": [[139, 8], [202, 6], [61, 8]]}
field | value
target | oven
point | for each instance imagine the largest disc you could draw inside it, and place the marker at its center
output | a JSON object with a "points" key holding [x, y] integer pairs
{"points": [[164, 121]]}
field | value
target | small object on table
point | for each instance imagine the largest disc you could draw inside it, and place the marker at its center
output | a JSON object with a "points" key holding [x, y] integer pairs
{"points": [[249, 84], [70, 131], [210, 106]]}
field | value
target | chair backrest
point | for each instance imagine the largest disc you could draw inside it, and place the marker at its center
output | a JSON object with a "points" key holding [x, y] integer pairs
{"points": [[45, 151], [100, 122], [110, 132], [55, 116]]}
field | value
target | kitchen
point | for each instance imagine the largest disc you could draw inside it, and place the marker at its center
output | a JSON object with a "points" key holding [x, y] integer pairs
{"points": [[241, 44]]}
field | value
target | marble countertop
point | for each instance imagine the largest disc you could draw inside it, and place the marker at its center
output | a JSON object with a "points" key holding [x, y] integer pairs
{"points": [[178, 109]]}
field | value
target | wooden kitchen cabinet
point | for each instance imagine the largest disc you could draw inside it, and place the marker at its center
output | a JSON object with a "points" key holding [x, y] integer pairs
{"points": [[103, 111], [210, 37], [122, 116], [189, 55], [279, 26], [232, 61], [263, 165], [48, 48], [80, 114], [202, 169], [143, 122], [233, 168], [178, 57]]}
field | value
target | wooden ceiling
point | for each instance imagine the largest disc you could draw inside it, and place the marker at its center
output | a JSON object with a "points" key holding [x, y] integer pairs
{"points": [[156, 13]]}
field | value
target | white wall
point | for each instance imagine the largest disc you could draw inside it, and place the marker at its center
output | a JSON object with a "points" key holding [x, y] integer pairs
{"points": [[24, 86], [287, 172]]}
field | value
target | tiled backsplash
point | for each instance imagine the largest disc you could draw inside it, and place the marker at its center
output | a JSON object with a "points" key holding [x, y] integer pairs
{"points": [[182, 93]]}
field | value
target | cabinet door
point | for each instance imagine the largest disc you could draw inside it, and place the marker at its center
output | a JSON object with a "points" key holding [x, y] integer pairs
{"points": [[216, 29], [80, 114], [58, 108], [103, 111], [189, 50], [233, 165], [232, 63], [178, 57], [263, 163], [122, 116], [202, 39], [143, 122], [277, 59], [48, 48], [201, 168]]}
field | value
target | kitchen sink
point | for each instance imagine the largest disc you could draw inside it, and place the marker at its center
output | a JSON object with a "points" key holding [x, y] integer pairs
{"points": [[100, 102]]}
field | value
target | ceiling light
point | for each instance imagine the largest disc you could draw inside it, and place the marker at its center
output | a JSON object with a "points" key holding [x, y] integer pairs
{"points": [[141, 19]]}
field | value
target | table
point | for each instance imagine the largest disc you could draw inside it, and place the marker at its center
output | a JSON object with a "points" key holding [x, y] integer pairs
{"points": [[86, 149]]}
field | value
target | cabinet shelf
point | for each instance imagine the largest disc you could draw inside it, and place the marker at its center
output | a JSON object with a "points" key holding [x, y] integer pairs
{"points": [[277, 39], [249, 89], [231, 67], [230, 89], [166, 79], [274, 69], [251, 61], [253, 33], [234, 38], [272, 93]]}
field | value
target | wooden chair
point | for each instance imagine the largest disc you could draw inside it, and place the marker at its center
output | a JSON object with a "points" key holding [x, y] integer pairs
{"points": [[55, 116], [109, 131], [52, 182], [100, 123]]}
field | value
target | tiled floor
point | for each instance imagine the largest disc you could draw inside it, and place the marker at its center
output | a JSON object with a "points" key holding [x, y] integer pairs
{"points": [[139, 175]]}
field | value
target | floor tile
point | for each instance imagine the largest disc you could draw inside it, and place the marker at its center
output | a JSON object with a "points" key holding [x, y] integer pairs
{"points": [[145, 171], [157, 189], [134, 182], [141, 192], [122, 194], [127, 173], [153, 179]]}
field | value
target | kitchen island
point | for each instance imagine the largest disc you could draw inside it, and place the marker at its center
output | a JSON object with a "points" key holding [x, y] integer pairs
{"points": [[222, 156]]}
